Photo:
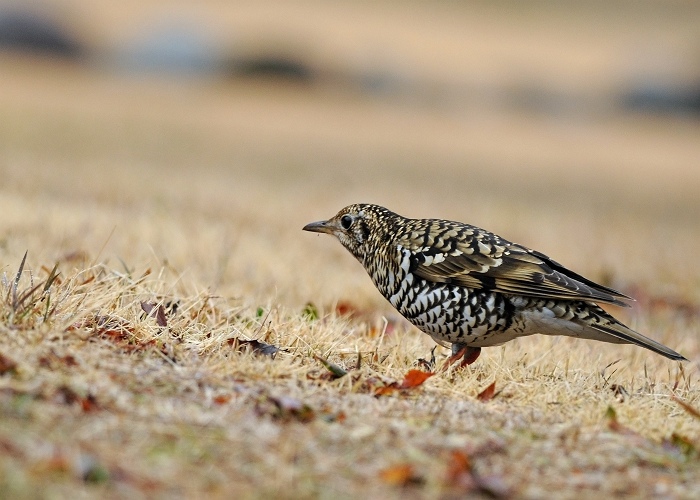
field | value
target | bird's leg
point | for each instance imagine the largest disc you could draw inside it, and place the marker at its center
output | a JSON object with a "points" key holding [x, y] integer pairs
{"points": [[470, 353], [456, 347], [470, 356]]}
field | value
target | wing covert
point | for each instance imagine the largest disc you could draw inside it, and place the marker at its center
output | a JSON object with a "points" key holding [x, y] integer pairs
{"points": [[467, 256]]}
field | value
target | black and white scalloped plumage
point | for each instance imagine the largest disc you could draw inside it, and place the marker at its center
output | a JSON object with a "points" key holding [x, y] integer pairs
{"points": [[470, 288]]}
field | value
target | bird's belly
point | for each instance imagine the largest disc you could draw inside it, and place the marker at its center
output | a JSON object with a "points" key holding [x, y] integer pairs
{"points": [[451, 313]]}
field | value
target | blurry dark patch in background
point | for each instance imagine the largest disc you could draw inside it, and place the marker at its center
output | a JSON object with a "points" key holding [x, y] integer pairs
{"points": [[180, 46], [38, 32], [668, 98], [276, 66]]}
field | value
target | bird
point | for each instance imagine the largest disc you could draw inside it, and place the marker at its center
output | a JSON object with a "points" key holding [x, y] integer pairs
{"points": [[469, 288]]}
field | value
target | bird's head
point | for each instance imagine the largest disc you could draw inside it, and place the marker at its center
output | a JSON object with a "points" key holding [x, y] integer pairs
{"points": [[357, 227]]}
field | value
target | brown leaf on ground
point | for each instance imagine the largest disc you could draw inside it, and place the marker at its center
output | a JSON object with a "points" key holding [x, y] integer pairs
{"points": [[68, 359], [7, 365], [412, 379], [116, 336], [386, 389], [155, 310], [690, 409], [124, 340], [400, 475], [345, 308], [487, 394], [459, 471], [222, 399], [255, 346], [89, 404]]}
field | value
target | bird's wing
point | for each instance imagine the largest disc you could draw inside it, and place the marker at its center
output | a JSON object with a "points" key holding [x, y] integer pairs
{"points": [[468, 256]]}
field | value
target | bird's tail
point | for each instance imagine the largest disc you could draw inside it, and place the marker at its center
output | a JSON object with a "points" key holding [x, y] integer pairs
{"points": [[608, 329]]}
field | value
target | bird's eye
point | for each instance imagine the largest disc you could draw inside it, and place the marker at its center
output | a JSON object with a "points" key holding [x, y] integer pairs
{"points": [[346, 221]]}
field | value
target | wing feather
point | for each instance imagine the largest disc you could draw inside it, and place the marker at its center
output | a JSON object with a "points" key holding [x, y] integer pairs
{"points": [[468, 256]]}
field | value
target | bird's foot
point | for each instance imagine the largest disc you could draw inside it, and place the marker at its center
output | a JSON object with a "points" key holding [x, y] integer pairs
{"points": [[466, 353], [470, 355]]}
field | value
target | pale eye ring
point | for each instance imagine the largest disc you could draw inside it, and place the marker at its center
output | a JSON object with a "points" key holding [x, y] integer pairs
{"points": [[346, 221]]}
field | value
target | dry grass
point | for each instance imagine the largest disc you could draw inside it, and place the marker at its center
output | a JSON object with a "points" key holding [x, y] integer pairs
{"points": [[103, 399], [192, 196]]}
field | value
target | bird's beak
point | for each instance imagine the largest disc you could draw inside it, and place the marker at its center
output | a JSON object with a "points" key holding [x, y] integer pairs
{"points": [[322, 226]]}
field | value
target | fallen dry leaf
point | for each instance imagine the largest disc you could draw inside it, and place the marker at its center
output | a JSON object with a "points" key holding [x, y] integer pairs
{"points": [[386, 389], [89, 404], [345, 308], [222, 399], [7, 365], [255, 346], [400, 475], [459, 471], [412, 379], [116, 336], [155, 310]]}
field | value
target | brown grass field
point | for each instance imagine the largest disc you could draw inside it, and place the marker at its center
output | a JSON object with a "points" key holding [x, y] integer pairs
{"points": [[187, 197]]}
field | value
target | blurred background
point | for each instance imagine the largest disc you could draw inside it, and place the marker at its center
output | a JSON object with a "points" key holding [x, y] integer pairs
{"points": [[557, 124]]}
